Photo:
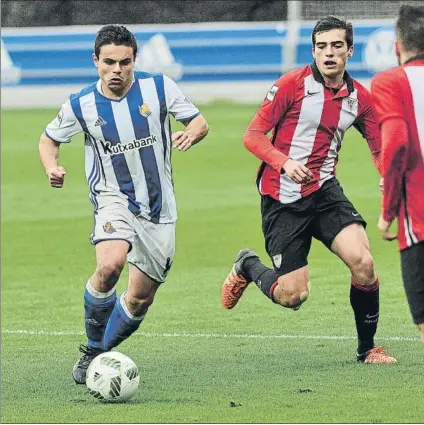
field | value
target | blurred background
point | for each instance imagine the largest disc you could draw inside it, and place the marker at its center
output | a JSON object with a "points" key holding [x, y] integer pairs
{"points": [[223, 49]]}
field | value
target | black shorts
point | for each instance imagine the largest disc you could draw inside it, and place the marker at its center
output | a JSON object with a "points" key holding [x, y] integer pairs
{"points": [[289, 228], [412, 263]]}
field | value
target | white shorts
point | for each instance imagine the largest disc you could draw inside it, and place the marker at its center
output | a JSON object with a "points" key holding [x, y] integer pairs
{"points": [[152, 245]]}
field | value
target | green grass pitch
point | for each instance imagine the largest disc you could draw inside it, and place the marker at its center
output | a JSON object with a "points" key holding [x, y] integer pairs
{"points": [[199, 363]]}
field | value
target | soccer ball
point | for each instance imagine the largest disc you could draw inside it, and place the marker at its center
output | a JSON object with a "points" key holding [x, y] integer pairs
{"points": [[112, 376]]}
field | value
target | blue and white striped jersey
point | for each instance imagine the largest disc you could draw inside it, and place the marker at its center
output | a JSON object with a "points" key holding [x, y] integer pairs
{"points": [[128, 143]]}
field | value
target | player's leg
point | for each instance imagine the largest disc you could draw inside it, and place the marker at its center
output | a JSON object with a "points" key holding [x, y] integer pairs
{"points": [[412, 262], [112, 236], [341, 228], [149, 262], [130, 309], [288, 241], [352, 247], [100, 293], [99, 301]]}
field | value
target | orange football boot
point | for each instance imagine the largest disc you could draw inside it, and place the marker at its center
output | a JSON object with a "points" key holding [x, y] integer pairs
{"points": [[235, 283], [377, 355]]}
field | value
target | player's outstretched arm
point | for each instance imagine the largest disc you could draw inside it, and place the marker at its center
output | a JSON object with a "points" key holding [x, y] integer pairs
{"points": [[194, 132], [48, 150]]}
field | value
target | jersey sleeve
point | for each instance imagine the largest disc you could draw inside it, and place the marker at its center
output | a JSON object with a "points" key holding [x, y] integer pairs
{"points": [[278, 100], [386, 89], [367, 125], [64, 126], [178, 105]]}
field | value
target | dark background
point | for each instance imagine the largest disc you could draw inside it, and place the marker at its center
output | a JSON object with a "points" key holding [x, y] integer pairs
{"points": [[21, 13], [29, 13]]}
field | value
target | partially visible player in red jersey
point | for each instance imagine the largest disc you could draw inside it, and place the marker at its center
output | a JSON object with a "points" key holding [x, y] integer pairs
{"points": [[398, 95], [309, 110]]}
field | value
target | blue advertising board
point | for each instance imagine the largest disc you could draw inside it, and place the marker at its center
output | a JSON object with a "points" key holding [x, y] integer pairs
{"points": [[207, 52]]}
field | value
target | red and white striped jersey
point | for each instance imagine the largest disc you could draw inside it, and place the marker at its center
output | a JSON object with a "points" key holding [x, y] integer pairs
{"points": [[398, 95], [309, 121]]}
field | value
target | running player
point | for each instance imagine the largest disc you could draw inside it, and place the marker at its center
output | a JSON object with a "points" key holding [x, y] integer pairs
{"points": [[309, 110], [125, 120]]}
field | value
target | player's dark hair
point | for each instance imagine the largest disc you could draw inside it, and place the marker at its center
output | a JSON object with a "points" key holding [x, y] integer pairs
{"points": [[410, 28], [330, 23], [115, 34]]}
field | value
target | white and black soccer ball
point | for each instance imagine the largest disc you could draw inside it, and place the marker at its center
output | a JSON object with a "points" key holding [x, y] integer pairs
{"points": [[112, 376]]}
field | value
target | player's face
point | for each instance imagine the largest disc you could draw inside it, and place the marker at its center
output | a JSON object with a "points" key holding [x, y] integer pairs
{"points": [[331, 52], [115, 66]]}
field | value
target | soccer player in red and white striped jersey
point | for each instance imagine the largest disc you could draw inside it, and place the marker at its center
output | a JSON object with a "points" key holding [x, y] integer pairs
{"points": [[309, 110], [398, 95]]}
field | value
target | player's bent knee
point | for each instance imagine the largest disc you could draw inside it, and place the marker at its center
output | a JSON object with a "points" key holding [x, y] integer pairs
{"points": [[291, 300], [362, 269], [109, 273], [294, 301], [292, 289], [303, 296], [138, 306]]}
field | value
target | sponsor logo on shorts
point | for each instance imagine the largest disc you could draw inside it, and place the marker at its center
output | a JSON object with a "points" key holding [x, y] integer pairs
{"points": [[167, 266], [110, 149], [276, 259], [108, 228], [59, 118]]}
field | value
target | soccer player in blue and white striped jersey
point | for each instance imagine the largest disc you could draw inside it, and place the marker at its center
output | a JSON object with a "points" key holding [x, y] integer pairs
{"points": [[125, 118]]}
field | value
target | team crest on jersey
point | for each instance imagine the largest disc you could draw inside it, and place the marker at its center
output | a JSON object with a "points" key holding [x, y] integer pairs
{"points": [[272, 92], [144, 110], [108, 228], [350, 103], [276, 259]]}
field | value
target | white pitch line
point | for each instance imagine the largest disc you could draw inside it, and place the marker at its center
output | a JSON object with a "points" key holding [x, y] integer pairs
{"points": [[206, 335]]}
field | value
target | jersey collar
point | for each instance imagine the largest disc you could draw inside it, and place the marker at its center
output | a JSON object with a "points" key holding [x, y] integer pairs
{"points": [[346, 77], [414, 58]]}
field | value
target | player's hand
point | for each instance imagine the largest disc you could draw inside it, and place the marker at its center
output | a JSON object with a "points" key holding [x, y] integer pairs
{"points": [[297, 171], [56, 176], [182, 140], [383, 227], [381, 185]]}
